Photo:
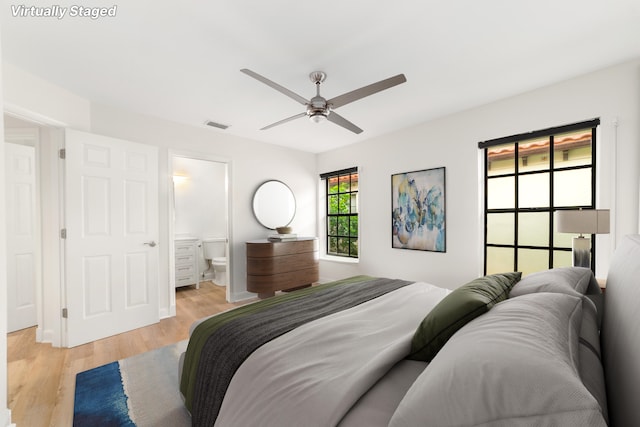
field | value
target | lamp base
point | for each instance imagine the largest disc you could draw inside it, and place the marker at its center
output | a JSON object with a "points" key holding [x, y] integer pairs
{"points": [[581, 252]]}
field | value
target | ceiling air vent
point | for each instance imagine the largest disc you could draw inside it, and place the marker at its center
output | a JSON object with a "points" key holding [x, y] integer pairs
{"points": [[216, 125]]}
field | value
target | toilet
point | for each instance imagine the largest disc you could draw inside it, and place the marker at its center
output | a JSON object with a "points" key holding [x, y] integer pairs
{"points": [[214, 251]]}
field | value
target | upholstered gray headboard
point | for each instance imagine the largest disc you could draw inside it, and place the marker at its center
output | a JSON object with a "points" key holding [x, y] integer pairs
{"points": [[620, 334]]}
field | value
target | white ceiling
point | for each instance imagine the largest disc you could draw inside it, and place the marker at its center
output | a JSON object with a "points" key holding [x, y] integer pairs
{"points": [[181, 60]]}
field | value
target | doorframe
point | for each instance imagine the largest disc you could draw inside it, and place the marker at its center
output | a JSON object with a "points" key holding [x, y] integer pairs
{"points": [[171, 212]]}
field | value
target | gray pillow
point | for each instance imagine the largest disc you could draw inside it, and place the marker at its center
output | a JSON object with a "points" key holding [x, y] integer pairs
{"points": [[456, 310], [517, 365], [565, 280]]}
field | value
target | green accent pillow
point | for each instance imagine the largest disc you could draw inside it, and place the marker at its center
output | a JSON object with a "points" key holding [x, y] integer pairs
{"points": [[457, 309]]}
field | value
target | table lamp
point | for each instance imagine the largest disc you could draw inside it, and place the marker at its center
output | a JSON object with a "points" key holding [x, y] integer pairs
{"points": [[583, 221]]}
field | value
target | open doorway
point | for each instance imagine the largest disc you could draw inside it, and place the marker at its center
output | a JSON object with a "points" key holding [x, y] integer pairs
{"points": [[22, 224], [44, 272], [199, 220]]}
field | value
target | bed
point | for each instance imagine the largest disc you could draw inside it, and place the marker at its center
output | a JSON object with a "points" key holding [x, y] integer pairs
{"points": [[547, 349]]}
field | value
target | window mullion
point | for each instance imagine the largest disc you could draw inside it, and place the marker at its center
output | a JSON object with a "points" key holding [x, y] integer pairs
{"points": [[593, 194], [516, 168], [486, 203], [552, 175], [328, 230]]}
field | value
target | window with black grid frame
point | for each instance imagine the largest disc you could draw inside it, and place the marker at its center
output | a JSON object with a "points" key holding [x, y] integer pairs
{"points": [[527, 178], [341, 190]]}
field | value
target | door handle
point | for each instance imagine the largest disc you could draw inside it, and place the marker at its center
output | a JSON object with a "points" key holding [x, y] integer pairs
{"points": [[151, 243]]}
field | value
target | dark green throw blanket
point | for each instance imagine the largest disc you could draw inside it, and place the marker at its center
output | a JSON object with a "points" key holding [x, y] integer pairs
{"points": [[219, 345]]}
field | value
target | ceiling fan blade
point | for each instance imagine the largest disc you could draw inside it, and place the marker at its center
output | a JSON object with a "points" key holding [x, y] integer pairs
{"points": [[288, 119], [276, 86], [341, 121], [354, 95]]}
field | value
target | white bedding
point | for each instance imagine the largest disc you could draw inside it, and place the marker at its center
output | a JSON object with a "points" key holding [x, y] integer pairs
{"points": [[532, 360], [328, 363], [378, 405]]}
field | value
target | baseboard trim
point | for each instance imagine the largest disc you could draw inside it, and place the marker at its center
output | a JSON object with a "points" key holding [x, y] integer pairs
{"points": [[166, 313], [44, 335], [5, 418], [241, 296]]}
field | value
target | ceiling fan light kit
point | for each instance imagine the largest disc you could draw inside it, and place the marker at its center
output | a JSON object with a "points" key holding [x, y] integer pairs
{"points": [[319, 109], [317, 116]]}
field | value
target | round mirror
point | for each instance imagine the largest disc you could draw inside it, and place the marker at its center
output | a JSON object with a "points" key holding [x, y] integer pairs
{"points": [[274, 204]]}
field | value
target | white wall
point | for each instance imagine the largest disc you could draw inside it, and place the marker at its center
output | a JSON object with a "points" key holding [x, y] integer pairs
{"points": [[612, 94], [200, 200], [251, 163], [30, 96]]}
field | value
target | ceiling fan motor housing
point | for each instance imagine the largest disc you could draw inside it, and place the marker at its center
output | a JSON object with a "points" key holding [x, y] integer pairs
{"points": [[317, 109]]}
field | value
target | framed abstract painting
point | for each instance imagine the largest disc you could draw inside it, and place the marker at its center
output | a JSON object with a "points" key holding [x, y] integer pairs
{"points": [[418, 210]]}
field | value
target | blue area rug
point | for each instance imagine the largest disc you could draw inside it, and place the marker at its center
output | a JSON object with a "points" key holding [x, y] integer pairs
{"points": [[138, 391], [100, 399]]}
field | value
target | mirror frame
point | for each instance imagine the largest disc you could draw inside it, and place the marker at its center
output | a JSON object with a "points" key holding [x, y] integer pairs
{"points": [[260, 196]]}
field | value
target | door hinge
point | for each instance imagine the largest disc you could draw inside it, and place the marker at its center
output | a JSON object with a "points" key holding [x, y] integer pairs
{"points": [[65, 313], [62, 153], [63, 233]]}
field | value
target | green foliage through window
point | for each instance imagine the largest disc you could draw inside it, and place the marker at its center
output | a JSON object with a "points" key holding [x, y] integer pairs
{"points": [[342, 212]]}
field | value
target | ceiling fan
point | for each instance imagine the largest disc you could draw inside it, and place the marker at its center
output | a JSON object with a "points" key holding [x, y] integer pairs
{"points": [[319, 108]]}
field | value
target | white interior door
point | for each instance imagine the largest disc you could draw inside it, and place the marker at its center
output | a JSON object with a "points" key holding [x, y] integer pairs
{"points": [[111, 252], [21, 236]]}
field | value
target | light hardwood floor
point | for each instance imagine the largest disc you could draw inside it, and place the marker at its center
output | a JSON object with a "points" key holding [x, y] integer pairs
{"points": [[42, 378]]}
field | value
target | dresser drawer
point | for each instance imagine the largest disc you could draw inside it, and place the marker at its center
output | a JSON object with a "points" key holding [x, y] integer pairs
{"points": [[185, 249], [276, 249], [281, 264], [184, 259], [185, 270]]}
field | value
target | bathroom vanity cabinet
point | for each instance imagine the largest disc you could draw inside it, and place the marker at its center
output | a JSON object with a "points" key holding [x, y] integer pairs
{"points": [[186, 256], [281, 266]]}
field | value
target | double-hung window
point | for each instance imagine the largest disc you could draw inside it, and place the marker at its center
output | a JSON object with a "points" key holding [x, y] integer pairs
{"points": [[341, 193], [527, 178]]}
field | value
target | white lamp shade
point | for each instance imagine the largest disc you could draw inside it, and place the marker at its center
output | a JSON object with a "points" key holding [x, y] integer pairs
{"points": [[585, 221]]}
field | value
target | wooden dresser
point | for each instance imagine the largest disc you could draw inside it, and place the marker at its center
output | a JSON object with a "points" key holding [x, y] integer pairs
{"points": [[281, 266]]}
